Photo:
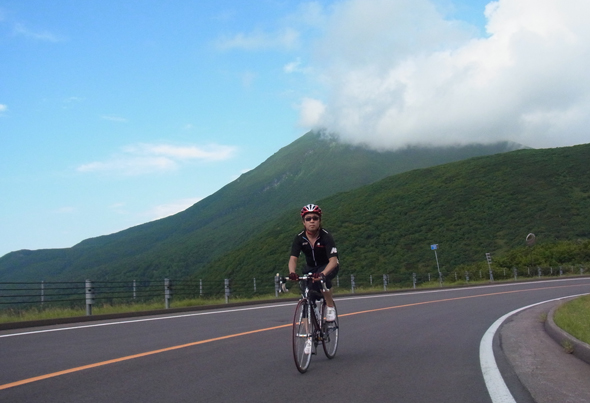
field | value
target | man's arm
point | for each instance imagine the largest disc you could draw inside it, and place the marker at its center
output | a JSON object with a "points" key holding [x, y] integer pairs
{"points": [[292, 264], [332, 263]]}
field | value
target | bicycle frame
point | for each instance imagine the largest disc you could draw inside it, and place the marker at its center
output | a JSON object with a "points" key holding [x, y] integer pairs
{"points": [[309, 326]]}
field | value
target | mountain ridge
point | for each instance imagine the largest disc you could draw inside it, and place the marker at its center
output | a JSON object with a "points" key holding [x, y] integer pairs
{"points": [[312, 167]]}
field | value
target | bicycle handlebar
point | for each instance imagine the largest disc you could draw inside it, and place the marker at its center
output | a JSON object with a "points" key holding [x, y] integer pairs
{"points": [[305, 277]]}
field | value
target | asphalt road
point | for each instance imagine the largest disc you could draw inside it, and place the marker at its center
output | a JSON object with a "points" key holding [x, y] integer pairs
{"points": [[404, 347]]}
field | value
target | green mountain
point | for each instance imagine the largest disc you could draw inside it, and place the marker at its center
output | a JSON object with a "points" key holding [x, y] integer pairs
{"points": [[469, 208], [311, 168]]}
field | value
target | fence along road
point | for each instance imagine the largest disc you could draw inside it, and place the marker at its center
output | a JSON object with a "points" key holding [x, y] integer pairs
{"points": [[23, 295], [411, 347]]}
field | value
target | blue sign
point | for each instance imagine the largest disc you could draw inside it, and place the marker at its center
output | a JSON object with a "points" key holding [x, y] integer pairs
{"points": [[434, 247]]}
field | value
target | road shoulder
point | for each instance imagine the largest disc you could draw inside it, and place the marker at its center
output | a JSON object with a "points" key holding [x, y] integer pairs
{"points": [[541, 365]]}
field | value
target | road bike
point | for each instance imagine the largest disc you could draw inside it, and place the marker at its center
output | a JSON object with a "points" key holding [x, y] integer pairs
{"points": [[310, 327]]}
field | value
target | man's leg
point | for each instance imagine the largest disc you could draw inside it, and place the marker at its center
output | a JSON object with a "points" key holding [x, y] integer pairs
{"points": [[328, 298]]}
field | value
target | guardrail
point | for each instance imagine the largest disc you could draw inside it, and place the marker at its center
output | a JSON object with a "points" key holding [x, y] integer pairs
{"points": [[89, 293]]}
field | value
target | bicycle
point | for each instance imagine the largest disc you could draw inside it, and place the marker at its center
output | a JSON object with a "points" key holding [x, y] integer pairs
{"points": [[309, 325]]}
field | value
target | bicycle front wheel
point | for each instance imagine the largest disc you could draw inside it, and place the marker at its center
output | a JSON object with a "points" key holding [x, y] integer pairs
{"points": [[330, 332], [302, 336]]}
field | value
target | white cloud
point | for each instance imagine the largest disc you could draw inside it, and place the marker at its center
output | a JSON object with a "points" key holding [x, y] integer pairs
{"points": [[3, 108], [211, 152], [168, 209], [397, 73], [296, 66], [114, 118], [139, 159], [311, 112], [285, 38], [45, 36]]}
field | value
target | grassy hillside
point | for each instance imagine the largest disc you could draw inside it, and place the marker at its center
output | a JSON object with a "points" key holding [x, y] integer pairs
{"points": [[311, 168], [468, 208]]}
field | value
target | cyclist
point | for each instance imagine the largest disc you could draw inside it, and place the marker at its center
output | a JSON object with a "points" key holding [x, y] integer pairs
{"points": [[320, 252]]}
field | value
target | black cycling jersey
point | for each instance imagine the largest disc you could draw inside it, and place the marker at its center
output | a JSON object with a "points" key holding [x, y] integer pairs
{"points": [[320, 253]]}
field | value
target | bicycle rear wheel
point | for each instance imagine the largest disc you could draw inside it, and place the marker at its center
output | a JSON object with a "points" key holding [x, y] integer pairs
{"points": [[331, 332], [303, 331]]}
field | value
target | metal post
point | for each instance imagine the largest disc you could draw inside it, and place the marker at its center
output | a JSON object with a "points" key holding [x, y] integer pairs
{"points": [[385, 282], [254, 284], [515, 273], [539, 271], [200, 287], [466, 276], [352, 283], [226, 282], [560, 271], [414, 279], [134, 289], [42, 292], [337, 281], [277, 285], [371, 279], [89, 297], [167, 293], [434, 248]]}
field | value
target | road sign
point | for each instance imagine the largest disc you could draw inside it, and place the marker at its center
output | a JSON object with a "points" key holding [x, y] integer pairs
{"points": [[489, 258], [434, 247]]}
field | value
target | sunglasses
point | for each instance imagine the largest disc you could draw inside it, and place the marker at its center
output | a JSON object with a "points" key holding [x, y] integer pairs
{"points": [[312, 218]]}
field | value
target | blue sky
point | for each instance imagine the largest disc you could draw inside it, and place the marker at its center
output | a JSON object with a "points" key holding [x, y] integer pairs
{"points": [[116, 113]]}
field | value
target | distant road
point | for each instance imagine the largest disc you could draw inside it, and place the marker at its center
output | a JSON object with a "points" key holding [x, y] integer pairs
{"points": [[405, 347]]}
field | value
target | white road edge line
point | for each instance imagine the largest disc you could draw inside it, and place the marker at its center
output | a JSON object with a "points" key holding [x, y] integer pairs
{"points": [[497, 388], [125, 322]]}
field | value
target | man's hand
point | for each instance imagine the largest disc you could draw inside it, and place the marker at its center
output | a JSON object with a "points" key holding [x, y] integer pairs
{"points": [[293, 276], [318, 276]]}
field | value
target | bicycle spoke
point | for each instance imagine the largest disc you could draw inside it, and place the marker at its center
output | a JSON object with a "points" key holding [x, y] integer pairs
{"points": [[330, 332], [302, 336]]}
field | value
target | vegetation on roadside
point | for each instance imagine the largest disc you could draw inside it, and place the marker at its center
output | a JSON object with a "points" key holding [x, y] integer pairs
{"points": [[574, 318]]}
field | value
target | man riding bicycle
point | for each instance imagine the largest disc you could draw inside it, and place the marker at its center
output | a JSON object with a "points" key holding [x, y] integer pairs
{"points": [[320, 252]]}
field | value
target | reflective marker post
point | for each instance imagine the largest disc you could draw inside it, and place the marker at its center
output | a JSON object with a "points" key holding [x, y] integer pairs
{"points": [[89, 297], [167, 293], [489, 259], [227, 290]]}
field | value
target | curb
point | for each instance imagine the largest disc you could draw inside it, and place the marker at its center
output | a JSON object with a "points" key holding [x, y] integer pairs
{"points": [[580, 349]]}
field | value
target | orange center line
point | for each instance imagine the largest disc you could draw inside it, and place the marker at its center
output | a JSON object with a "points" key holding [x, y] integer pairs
{"points": [[196, 343], [131, 357]]}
